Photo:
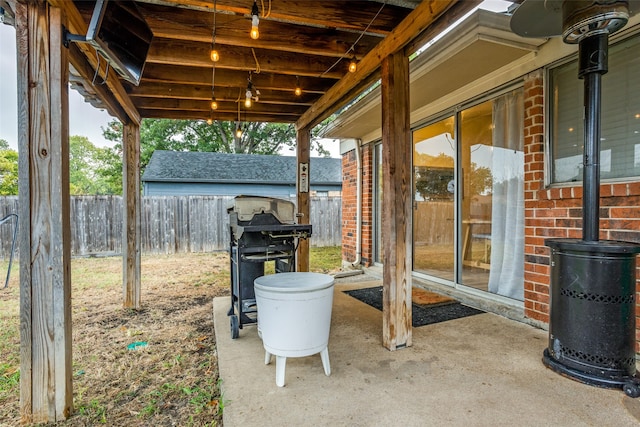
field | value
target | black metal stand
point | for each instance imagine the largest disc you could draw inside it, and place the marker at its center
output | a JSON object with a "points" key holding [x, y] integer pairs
{"points": [[247, 264], [592, 309]]}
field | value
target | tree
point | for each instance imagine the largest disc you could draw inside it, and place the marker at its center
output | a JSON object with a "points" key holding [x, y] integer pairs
{"points": [[434, 173], [91, 169], [8, 170], [219, 137]]}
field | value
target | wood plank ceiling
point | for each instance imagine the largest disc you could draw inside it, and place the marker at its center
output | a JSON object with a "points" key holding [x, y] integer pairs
{"points": [[302, 43]]}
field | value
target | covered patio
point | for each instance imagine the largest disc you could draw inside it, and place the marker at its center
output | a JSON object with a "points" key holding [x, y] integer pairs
{"points": [[477, 371], [485, 370], [306, 45]]}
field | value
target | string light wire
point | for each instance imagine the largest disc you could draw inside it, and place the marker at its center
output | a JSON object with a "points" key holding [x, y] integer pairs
{"points": [[352, 48]]}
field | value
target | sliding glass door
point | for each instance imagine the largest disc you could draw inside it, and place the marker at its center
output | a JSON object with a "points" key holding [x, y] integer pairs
{"points": [[434, 185], [468, 197]]}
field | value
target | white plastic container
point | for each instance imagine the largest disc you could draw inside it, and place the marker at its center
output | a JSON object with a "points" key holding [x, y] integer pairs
{"points": [[294, 317]]}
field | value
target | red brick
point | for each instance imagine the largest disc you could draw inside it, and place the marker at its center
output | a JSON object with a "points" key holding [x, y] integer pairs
{"points": [[619, 189]]}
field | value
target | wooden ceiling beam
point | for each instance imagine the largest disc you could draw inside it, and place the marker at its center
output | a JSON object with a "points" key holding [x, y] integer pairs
{"points": [[223, 116], [173, 91], [205, 105], [77, 25], [352, 15], [418, 21], [198, 27], [229, 78], [194, 54]]}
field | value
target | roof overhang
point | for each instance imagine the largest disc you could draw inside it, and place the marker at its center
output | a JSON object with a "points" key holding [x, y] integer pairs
{"points": [[477, 47]]}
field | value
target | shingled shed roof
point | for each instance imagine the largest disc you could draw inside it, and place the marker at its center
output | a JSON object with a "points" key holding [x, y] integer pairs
{"points": [[175, 166]]}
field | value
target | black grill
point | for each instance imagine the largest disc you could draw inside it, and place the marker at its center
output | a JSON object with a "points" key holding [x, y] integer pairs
{"points": [[262, 229]]}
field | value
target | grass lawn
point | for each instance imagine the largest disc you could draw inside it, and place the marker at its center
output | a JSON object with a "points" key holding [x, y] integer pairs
{"points": [[153, 367]]}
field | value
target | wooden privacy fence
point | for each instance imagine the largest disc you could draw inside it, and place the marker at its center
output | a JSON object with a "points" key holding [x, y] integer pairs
{"points": [[169, 224]]}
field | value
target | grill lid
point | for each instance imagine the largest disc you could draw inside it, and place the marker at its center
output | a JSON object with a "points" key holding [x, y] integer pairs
{"points": [[248, 206]]}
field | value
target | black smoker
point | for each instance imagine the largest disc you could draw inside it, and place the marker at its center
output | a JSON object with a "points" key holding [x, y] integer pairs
{"points": [[592, 308], [261, 229]]}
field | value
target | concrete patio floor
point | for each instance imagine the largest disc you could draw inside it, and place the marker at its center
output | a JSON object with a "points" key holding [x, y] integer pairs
{"points": [[483, 370]]}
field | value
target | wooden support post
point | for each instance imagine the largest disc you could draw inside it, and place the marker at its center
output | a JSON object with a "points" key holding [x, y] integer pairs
{"points": [[396, 204], [131, 216], [46, 393], [303, 153]]}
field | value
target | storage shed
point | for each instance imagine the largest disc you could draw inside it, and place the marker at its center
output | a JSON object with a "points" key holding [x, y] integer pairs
{"points": [[174, 173]]}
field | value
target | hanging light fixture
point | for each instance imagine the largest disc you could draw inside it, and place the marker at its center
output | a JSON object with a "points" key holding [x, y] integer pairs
{"points": [[298, 89], [353, 65], [255, 20], [209, 121], [215, 56], [251, 94], [214, 102], [238, 125], [247, 96]]}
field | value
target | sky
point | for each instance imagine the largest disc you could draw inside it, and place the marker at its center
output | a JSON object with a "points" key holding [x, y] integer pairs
{"points": [[85, 120]]}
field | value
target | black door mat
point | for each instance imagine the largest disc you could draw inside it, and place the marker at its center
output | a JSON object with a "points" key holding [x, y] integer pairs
{"points": [[421, 314]]}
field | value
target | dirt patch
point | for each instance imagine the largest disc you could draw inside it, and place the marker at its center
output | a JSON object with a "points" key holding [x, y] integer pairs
{"points": [[152, 367]]}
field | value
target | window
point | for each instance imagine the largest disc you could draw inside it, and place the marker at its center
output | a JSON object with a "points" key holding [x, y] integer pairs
{"points": [[620, 127]]}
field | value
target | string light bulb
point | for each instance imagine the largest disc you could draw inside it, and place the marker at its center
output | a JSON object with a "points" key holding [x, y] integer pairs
{"points": [[353, 65], [209, 121], [298, 89], [214, 104], [238, 131], [215, 56], [255, 21], [248, 95]]}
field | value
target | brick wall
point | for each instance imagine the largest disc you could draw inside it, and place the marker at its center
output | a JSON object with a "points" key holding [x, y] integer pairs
{"points": [[368, 180], [349, 206], [537, 210]]}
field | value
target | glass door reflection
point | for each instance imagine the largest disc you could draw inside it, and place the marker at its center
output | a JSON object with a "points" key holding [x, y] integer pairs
{"points": [[434, 187]]}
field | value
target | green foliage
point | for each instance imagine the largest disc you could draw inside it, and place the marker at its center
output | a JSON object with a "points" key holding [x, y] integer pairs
{"points": [[217, 137], [91, 168], [8, 170], [433, 174]]}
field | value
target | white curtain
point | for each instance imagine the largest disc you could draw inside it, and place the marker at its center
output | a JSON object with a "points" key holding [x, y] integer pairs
{"points": [[506, 274]]}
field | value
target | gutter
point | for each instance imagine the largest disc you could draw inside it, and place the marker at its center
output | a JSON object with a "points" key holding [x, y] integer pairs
{"points": [[356, 262]]}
